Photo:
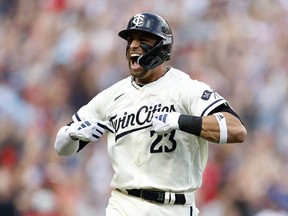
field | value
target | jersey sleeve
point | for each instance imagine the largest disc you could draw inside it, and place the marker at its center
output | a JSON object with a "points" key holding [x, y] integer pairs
{"points": [[92, 110], [102, 104], [204, 99]]}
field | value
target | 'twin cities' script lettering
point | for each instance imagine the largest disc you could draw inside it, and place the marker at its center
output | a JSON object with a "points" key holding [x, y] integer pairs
{"points": [[140, 117]]}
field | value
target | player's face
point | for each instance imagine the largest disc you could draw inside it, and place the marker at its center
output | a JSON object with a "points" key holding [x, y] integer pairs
{"points": [[134, 51]]}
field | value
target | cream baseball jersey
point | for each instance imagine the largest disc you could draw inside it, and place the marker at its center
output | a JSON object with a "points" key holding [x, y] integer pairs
{"points": [[141, 158]]}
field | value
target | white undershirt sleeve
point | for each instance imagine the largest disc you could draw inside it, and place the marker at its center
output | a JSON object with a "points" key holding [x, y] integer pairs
{"points": [[64, 145]]}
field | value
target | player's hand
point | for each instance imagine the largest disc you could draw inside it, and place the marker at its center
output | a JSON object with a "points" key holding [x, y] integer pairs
{"points": [[89, 130], [165, 122]]}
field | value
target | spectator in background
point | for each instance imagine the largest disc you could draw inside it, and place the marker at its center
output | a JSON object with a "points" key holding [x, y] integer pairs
{"points": [[8, 8]]}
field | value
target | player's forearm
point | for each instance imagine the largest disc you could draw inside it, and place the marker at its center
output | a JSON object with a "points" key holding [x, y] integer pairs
{"points": [[221, 127], [64, 145], [236, 132]]}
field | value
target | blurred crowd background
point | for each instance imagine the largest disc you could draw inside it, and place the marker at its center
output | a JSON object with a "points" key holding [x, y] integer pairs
{"points": [[55, 55]]}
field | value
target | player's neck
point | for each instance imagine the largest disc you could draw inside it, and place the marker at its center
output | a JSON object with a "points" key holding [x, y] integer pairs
{"points": [[152, 76]]}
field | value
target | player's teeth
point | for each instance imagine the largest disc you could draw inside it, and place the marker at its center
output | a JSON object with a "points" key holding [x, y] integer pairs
{"points": [[135, 55]]}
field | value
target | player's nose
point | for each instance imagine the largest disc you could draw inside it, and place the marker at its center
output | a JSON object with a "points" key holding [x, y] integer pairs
{"points": [[135, 44]]}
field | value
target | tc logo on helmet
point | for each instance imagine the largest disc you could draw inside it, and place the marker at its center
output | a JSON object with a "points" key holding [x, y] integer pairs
{"points": [[138, 20]]}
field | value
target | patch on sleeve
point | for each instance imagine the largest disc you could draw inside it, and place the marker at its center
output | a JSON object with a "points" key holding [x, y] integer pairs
{"points": [[206, 95]]}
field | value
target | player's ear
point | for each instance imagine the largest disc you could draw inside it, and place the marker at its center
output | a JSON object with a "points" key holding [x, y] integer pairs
{"points": [[127, 48]]}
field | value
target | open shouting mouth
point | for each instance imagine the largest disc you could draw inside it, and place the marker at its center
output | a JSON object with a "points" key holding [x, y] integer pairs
{"points": [[134, 60]]}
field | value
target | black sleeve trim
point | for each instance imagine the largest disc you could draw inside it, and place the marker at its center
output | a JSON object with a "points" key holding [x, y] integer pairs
{"points": [[224, 108], [211, 105], [77, 117], [70, 123]]}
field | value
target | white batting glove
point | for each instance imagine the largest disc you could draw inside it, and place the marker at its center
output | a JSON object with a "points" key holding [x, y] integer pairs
{"points": [[165, 122], [89, 130]]}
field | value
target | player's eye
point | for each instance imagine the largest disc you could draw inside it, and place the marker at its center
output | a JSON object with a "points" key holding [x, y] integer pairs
{"points": [[130, 39]]}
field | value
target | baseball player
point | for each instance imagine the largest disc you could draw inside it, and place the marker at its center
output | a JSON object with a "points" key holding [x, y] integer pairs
{"points": [[158, 123]]}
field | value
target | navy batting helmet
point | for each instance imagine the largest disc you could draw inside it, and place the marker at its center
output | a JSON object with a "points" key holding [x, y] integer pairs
{"points": [[158, 26]]}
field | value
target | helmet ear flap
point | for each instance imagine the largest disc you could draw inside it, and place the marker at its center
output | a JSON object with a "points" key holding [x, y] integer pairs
{"points": [[153, 58], [166, 51]]}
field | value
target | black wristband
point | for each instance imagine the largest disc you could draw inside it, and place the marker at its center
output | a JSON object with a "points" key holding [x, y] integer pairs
{"points": [[190, 124]]}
